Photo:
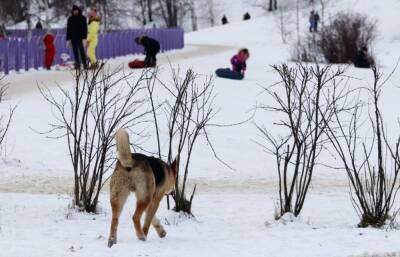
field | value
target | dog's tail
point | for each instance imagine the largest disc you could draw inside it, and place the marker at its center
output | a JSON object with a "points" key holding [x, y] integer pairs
{"points": [[123, 149]]}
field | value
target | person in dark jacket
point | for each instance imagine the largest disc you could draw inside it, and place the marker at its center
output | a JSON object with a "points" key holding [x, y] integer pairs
{"points": [[151, 48], [3, 31], [39, 25], [316, 21], [311, 20], [224, 20], [246, 16], [76, 36], [363, 59]]}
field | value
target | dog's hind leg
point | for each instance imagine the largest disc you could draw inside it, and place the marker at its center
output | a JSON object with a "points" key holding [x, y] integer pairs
{"points": [[141, 206], [150, 214], [158, 227], [117, 200]]}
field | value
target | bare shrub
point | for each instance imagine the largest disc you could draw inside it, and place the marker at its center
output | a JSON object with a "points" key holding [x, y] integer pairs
{"points": [[304, 99], [189, 111], [337, 42], [345, 35], [6, 116], [373, 165], [87, 116]]}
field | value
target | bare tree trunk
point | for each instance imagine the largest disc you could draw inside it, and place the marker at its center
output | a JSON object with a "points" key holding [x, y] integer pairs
{"points": [[170, 10], [84, 6], [150, 10], [28, 18], [143, 11], [193, 15], [273, 5], [298, 27], [211, 10]]}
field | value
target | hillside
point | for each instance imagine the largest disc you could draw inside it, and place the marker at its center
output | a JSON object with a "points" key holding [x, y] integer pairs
{"points": [[233, 208]]}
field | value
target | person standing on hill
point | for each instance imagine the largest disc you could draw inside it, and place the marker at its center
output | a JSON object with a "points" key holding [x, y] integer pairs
{"points": [[246, 16], [92, 38], [151, 48], [312, 21], [224, 20], [76, 36], [316, 21], [39, 25]]}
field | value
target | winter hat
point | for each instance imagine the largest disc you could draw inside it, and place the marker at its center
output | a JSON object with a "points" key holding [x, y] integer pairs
{"points": [[92, 13], [76, 8], [138, 39]]}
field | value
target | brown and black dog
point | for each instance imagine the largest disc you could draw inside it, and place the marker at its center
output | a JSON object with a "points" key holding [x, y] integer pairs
{"points": [[150, 178]]}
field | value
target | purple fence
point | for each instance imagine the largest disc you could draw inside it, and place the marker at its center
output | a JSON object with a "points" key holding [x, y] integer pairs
{"points": [[23, 54], [20, 33]]}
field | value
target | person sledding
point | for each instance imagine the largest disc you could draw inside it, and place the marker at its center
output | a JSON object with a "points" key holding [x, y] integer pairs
{"points": [[363, 59], [151, 49], [239, 66]]}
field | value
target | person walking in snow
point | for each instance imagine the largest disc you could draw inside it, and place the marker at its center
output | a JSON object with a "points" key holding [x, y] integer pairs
{"points": [[76, 36], [312, 21], [224, 20], [151, 48], [239, 66], [92, 37], [50, 50], [316, 21], [246, 16]]}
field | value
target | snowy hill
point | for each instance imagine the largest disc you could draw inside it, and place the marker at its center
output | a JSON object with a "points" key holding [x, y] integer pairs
{"points": [[233, 208]]}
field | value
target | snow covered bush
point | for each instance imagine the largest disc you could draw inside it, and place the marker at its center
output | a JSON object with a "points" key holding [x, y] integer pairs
{"points": [[372, 163], [88, 116], [305, 100]]}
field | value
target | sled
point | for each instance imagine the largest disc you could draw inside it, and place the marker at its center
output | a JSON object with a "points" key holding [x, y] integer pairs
{"points": [[136, 64], [228, 74]]}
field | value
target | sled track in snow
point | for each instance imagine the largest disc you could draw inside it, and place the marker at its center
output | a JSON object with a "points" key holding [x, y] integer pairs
{"points": [[40, 184], [19, 84]]}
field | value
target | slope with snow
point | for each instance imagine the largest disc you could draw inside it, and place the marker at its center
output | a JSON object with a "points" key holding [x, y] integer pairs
{"points": [[233, 208]]}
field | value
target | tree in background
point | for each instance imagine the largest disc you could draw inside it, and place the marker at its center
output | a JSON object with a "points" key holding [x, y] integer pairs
{"points": [[273, 5], [16, 11], [170, 11]]}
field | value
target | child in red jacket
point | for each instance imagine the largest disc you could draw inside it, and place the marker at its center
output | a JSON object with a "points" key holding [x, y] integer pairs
{"points": [[50, 50]]}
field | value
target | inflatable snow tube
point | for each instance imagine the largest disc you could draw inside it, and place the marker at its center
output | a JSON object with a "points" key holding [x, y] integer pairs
{"points": [[228, 74]]}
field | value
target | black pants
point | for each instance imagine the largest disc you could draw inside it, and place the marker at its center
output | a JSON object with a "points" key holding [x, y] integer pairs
{"points": [[151, 60], [79, 53]]}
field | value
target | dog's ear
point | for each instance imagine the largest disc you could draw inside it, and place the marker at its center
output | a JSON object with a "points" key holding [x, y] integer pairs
{"points": [[175, 167]]}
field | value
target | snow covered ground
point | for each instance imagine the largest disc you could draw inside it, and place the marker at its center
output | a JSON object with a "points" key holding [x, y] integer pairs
{"points": [[233, 208]]}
